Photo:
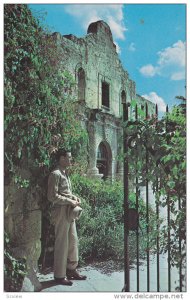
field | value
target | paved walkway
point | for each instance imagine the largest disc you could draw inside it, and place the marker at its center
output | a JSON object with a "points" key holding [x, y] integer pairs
{"points": [[96, 282], [101, 280]]}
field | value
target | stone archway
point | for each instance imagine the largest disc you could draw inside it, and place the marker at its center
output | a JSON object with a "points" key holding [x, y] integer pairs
{"points": [[104, 160]]}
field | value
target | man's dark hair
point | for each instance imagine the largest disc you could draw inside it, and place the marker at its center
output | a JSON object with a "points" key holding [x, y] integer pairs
{"points": [[61, 152]]}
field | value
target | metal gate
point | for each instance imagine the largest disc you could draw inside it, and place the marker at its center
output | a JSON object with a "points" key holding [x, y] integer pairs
{"points": [[131, 222]]}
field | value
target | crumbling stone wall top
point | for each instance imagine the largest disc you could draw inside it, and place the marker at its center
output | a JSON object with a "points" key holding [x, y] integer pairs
{"points": [[100, 27], [103, 74]]}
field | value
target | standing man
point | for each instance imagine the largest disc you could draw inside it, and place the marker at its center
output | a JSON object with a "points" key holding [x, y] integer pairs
{"points": [[66, 210]]}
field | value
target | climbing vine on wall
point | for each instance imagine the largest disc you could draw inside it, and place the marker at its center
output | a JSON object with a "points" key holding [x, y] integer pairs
{"points": [[39, 107]]}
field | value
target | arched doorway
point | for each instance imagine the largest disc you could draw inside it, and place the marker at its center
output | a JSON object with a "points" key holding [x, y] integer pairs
{"points": [[104, 160]]}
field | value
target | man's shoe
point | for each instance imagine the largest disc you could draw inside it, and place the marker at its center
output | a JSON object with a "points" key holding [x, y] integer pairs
{"points": [[74, 275], [63, 281]]}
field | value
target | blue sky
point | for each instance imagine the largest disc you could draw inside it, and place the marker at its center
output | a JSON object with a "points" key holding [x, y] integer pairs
{"points": [[150, 38]]}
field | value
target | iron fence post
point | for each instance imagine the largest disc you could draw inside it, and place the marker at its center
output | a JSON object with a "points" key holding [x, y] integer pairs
{"points": [[157, 220], [137, 208], [126, 201], [168, 220], [180, 251], [147, 212]]}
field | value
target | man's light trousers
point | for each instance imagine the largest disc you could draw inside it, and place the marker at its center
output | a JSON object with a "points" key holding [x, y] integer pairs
{"points": [[66, 242]]}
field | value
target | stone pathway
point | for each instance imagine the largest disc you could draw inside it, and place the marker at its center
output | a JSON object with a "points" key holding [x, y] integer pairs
{"points": [[98, 280]]}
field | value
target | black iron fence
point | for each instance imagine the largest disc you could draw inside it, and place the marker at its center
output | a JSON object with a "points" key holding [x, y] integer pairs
{"points": [[131, 215]]}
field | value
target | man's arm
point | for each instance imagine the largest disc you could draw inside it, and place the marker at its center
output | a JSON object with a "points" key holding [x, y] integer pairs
{"points": [[73, 197], [54, 196]]}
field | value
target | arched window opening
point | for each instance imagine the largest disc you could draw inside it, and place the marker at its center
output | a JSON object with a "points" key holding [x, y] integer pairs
{"points": [[123, 97], [103, 160], [81, 85], [102, 152]]}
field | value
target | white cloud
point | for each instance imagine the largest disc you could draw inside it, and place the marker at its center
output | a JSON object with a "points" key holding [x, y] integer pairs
{"points": [[152, 96], [148, 70], [174, 55], [132, 47], [171, 63], [117, 28], [111, 14], [118, 49], [177, 76]]}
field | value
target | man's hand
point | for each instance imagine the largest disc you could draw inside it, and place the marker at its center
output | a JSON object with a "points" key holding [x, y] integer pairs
{"points": [[76, 199], [74, 203]]}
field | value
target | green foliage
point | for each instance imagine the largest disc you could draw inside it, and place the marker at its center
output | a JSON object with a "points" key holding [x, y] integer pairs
{"points": [[14, 269], [22, 183], [157, 153], [100, 193], [100, 229], [40, 112]]}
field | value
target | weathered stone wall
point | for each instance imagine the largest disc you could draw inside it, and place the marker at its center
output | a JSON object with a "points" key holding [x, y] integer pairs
{"points": [[142, 102], [23, 225], [105, 129], [96, 55]]}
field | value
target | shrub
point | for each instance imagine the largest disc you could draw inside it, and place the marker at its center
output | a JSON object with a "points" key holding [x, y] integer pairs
{"points": [[100, 229]]}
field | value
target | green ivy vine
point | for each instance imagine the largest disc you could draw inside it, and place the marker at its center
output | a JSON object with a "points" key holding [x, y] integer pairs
{"points": [[39, 102], [164, 143]]}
